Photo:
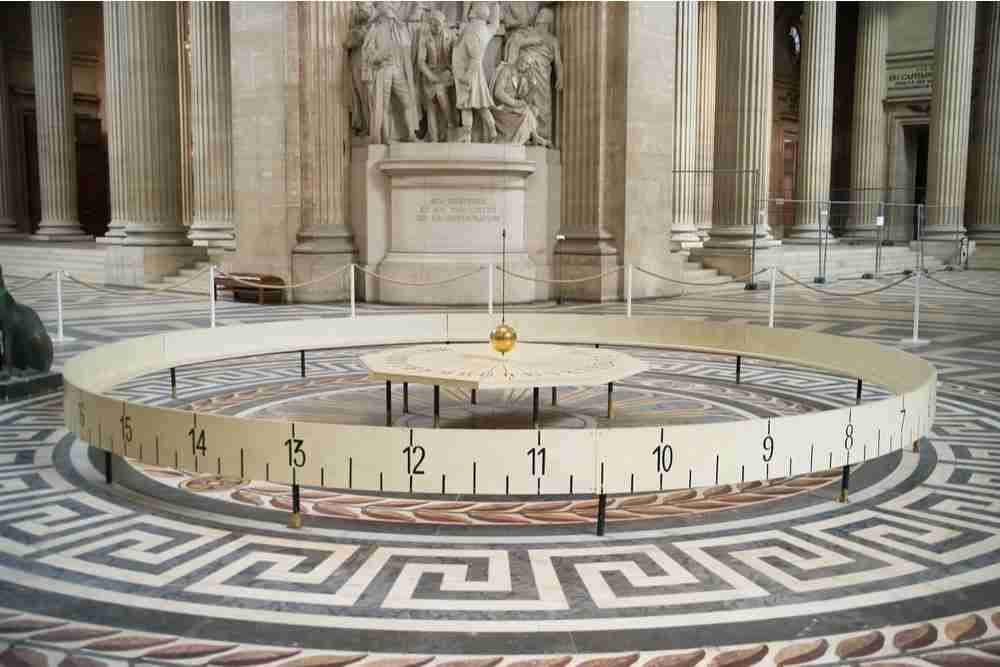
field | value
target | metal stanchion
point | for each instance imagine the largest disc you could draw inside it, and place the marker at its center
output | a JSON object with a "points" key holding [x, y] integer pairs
{"points": [[295, 520], [774, 280], [845, 479], [60, 337], [211, 295], [354, 311], [916, 340], [602, 508], [628, 290]]}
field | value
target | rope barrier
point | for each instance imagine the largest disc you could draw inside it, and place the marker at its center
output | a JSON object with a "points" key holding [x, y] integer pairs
{"points": [[960, 289], [31, 281], [304, 284], [843, 294], [564, 280], [140, 291], [729, 281], [427, 284]]}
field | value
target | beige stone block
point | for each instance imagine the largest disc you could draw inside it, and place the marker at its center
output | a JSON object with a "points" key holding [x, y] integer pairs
{"points": [[140, 265]]}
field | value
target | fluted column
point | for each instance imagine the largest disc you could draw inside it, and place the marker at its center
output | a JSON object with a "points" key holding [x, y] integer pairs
{"points": [[743, 124], [868, 122], [114, 109], [707, 46], [984, 223], [8, 225], [211, 126], [948, 148], [812, 187], [56, 130], [184, 116], [683, 231], [150, 121]]}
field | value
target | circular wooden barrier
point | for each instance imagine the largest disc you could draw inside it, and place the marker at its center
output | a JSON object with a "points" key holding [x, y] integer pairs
{"points": [[470, 461]]}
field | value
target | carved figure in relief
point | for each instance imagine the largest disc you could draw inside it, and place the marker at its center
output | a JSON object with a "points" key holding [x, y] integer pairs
{"points": [[516, 118], [434, 62], [472, 91], [541, 47], [362, 14], [388, 53]]}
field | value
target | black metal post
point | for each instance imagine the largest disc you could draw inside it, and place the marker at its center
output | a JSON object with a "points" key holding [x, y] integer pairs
{"points": [[302, 363], [553, 395], [611, 405], [739, 367], [602, 508], [173, 383], [845, 480], [388, 403], [406, 398], [107, 468], [473, 397], [534, 407], [295, 521], [437, 405], [858, 398]]}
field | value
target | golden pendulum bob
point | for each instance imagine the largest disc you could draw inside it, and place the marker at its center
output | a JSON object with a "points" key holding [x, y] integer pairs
{"points": [[503, 337]]}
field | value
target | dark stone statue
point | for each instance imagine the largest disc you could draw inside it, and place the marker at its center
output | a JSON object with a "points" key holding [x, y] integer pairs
{"points": [[27, 348]]}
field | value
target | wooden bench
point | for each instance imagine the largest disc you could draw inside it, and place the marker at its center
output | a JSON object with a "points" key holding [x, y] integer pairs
{"points": [[258, 294]]}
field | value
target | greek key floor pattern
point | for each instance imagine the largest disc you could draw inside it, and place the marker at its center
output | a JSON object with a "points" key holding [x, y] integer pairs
{"points": [[144, 572]]}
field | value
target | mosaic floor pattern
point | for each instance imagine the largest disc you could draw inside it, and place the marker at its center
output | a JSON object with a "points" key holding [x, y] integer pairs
{"points": [[144, 572]]}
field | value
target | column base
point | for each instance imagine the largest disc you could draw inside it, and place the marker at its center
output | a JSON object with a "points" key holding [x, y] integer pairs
{"points": [[581, 257], [986, 255], [136, 266], [212, 234], [61, 238], [306, 267], [737, 262]]}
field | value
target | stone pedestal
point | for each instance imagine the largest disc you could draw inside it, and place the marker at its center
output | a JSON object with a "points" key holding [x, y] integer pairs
{"points": [[56, 129], [429, 212]]}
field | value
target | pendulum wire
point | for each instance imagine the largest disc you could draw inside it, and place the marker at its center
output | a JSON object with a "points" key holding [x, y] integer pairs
{"points": [[503, 277]]}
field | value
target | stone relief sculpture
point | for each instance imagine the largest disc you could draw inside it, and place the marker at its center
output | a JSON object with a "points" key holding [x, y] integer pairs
{"points": [[433, 70], [362, 15], [516, 118], [434, 62], [388, 55], [541, 48], [472, 91]]}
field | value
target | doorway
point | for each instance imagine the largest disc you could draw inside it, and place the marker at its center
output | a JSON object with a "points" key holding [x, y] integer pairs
{"points": [[917, 140]]}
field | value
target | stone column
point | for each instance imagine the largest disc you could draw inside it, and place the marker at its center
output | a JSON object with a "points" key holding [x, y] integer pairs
{"points": [[325, 239], [868, 122], [743, 136], [812, 188], [145, 41], [184, 93], [683, 231], [114, 95], [948, 148], [211, 126], [8, 225], [56, 130], [707, 46], [984, 223], [587, 247]]}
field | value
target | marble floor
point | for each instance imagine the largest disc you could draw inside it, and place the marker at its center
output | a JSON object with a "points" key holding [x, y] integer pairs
{"points": [[162, 568]]}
